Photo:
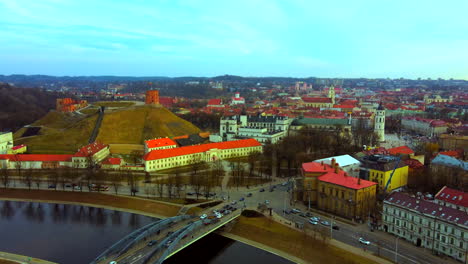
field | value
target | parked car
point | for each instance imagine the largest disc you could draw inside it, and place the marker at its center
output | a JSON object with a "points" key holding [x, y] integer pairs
{"points": [[325, 223], [78, 188], [336, 227], [191, 193], [295, 211], [241, 199], [227, 212], [168, 243], [286, 212], [363, 241], [234, 202], [272, 189], [249, 195], [313, 222], [152, 243], [267, 202], [68, 185], [315, 219], [113, 262], [284, 183], [52, 186], [308, 214], [262, 190], [203, 216], [302, 215]]}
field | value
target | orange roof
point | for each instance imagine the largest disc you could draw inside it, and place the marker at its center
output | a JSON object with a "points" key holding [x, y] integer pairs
{"points": [[90, 149], [345, 180], [174, 152], [160, 142], [451, 153], [400, 150], [180, 137], [112, 161], [316, 167], [36, 157]]}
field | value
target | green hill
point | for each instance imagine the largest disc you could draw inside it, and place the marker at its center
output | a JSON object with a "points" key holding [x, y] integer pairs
{"points": [[134, 125], [65, 133]]}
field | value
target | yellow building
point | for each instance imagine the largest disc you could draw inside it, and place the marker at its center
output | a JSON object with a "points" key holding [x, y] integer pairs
{"points": [[378, 168], [307, 189], [20, 149], [346, 196]]}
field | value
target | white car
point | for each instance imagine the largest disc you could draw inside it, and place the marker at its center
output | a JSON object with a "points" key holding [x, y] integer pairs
{"points": [[219, 215], [267, 202], [363, 241], [203, 216], [313, 222], [113, 262], [78, 188]]}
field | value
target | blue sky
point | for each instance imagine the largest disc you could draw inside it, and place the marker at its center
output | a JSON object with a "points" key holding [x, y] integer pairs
{"points": [[297, 38]]}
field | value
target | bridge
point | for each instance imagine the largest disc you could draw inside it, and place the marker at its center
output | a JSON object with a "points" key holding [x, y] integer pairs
{"points": [[157, 241]]}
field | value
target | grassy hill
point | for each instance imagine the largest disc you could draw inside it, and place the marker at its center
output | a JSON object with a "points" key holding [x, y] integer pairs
{"points": [[134, 125], [63, 133]]}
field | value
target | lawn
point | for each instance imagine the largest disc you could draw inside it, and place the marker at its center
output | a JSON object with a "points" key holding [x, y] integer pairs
{"points": [[280, 237], [2, 261], [119, 202], [89, 111]]}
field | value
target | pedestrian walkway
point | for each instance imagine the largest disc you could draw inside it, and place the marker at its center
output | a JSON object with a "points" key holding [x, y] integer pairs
{"points": [[23, 259]]}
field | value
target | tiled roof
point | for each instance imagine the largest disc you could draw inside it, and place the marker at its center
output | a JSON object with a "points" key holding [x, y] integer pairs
{"points": [[90, 149], [413, 163], [316, 99], [400, 150], [452, 196], [342, 179], [160, 142], [112, 161], [316, 167], [174, 152], [450, 162], [36, 157], [215, 102], [428, 208], [452, 153]]}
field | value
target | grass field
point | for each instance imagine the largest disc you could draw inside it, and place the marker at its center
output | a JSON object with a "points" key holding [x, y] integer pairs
{"points": [[113, 104], [2, 261], [120, 202], [89, 111], [134, 125], [278, 236]]}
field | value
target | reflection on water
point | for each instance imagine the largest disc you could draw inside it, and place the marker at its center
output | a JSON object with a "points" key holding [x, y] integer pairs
{"points": [[73, 234]]}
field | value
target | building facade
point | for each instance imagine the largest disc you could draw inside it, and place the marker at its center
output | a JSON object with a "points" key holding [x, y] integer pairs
{"points": [[426, 127], [152, 97], [441, 229], [379, 168], [175, 157], [6, 142]]}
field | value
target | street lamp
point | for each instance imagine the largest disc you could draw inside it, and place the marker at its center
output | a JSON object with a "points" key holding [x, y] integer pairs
{"points": [[396, 249]]}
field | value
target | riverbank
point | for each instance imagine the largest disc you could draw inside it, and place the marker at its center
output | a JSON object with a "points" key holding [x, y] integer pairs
{"points": [[9, 258], [135, 205], [284, 241]]}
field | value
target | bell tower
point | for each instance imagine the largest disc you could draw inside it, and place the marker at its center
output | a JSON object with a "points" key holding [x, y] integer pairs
{"points": [[379, 123]]}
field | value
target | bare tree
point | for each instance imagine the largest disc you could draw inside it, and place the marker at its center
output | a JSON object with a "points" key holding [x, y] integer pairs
{"points": [[5, 177], [54, 178], [177, 182], [28, 178], [116, 180], [132, 183], [37, 178]]}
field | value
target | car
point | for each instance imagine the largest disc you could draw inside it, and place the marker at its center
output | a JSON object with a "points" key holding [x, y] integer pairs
{"points": [[284, 183], [325, 223], [286, 212], [113, 262], [295, 211], [152, 243], [272, 189], [78, 188], [203, 216], [168, 243], [52, 186], [363, 241], [234, 209], [313, 222], [191, 193], [336, 227], [206, 222], [226, 206], [227, 212], [249, 195], [267, 202], [234, 202], [241, 199], [302, 215], [262, 190], [68, 185], [308, 214], [219, 216], [147, 181], [315, 219], [169, 233]]}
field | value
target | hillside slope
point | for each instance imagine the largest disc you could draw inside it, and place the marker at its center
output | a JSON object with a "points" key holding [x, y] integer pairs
{"points": [[134, 125]]}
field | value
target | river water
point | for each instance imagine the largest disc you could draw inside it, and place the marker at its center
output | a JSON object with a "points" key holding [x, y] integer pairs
{"points": [[71, 234]]}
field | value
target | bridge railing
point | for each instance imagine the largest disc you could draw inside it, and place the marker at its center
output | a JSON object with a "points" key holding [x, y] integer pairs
{"points": [[122, 242], [157, 227]]}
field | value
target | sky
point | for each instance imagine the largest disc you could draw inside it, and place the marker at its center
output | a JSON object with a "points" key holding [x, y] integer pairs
{"points": [[290, 38]]}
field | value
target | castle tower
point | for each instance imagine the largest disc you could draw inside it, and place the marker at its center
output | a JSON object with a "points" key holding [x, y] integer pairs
{"points": [[331, 94], [379, 123], [152, 97]]}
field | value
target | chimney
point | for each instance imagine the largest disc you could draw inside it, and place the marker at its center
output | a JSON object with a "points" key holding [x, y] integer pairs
{"points": [[337, 168], [321, 162], [333, 162], [359, 181]]}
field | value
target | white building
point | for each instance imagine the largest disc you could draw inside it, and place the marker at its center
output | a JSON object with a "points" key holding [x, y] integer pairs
{"points": [[441, 229], [6, 142], [452, 198], [262, 128], [237, 99], [379, 123], [170, 158]]}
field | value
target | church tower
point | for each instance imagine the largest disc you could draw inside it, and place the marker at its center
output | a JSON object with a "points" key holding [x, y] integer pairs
{"points": [[331, 94], [379, 123]]}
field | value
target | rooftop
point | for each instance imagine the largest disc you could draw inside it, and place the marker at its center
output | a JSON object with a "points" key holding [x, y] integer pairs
{"points": [[428, 208], [452, 196], [90, 149], [316, 167], [36, 157], [400, 150], [341, 178], [343, 160], [160, 142]]}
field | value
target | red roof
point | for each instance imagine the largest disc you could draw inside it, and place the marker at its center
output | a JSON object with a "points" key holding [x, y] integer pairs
{"points": [[112, 161], [18, 147], [343, 106], [174, 152], [342, 179], [316, 99], [215, 102], [452, 196], [413, 163], [316, 167], [400, 150], [36, 157], [452, 153], [90, 149], [160, 142]]}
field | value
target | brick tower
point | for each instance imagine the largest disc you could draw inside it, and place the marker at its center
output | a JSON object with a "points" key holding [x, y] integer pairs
{"points": [[152, 97]]}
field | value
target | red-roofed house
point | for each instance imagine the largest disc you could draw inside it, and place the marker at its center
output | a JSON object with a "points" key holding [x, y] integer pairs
{"points": [[96, 151], [237, 99], [215, 103], [35, 161], [159, 143], [174, 157], [112, 163], [318, 102], [452, 198], [426, 127]]}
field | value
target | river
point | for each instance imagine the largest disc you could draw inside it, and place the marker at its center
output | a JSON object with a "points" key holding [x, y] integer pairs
{"points": [[71, 234]]}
